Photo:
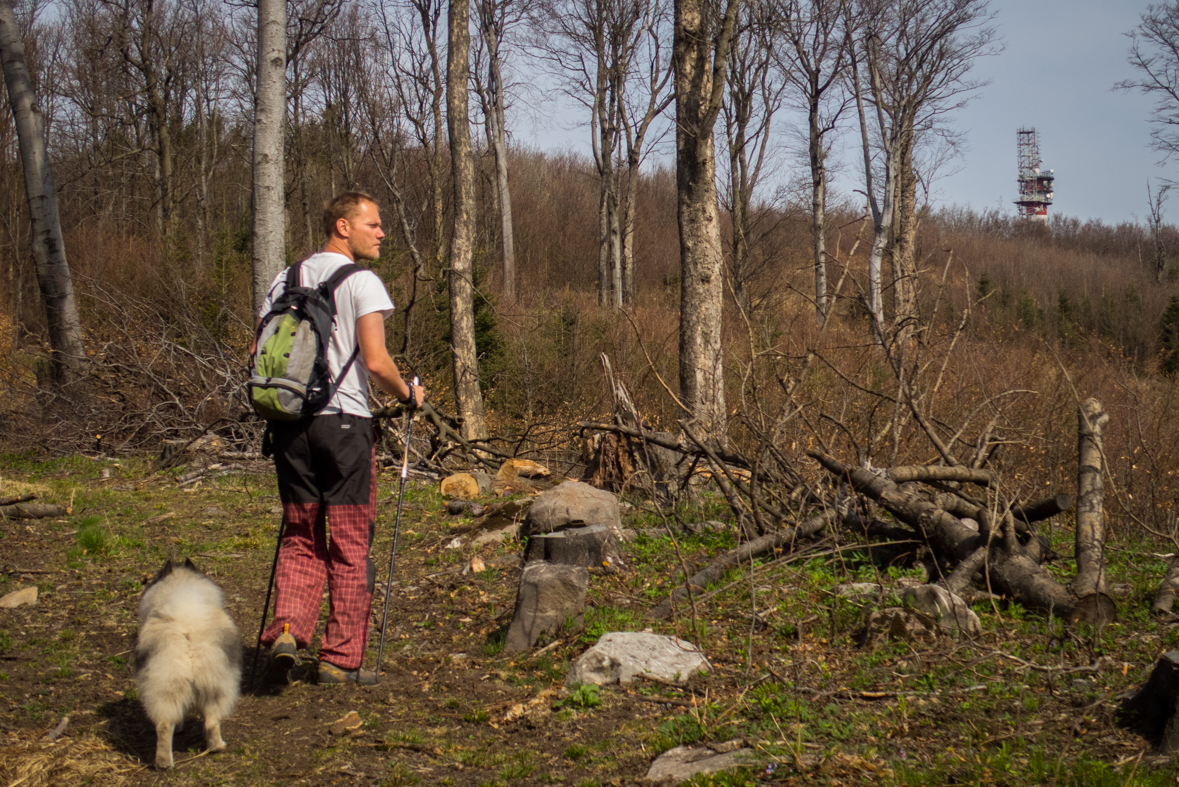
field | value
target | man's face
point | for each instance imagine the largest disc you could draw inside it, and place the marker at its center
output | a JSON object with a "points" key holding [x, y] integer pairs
{"points": [[364, 232]]}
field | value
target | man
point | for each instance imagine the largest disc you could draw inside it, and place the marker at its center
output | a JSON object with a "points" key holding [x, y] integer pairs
{"points": [[325, 464]]}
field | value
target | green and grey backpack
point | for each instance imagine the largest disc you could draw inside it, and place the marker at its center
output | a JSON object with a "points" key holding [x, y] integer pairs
{"points": [[289, 374]]}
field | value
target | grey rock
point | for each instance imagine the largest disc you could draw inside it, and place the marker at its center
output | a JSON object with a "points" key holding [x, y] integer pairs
{"points": [[620, 656], [457, 507], [570, 504], [593, 545], [683, 762], [952, 614], [549, 597], [483, 480]]}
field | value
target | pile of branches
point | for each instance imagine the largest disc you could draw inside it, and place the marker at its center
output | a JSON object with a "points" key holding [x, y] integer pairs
{"points": [[975, 539]]}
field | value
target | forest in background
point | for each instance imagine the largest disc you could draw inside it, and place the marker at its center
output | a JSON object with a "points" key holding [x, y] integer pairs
{"points": [[150, 133]]}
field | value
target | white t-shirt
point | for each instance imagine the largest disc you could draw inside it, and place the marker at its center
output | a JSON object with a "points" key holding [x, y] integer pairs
{"points": [[361, 293]]}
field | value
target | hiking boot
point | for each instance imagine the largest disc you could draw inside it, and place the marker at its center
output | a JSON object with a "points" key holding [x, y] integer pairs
{"points": [[282, 659], [331, 675]]}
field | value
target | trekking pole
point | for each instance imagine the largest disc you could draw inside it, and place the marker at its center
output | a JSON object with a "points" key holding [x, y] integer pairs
{"points": [[396, 529], [266, 607]]}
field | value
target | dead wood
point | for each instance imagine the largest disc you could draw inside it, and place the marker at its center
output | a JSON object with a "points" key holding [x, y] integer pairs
{"points": [[1164, 600], [1011, 569], [1042, 509], [31, 511], [1152, 709], [13, 500], [741, 556], [1090, 538], [967, 475]]}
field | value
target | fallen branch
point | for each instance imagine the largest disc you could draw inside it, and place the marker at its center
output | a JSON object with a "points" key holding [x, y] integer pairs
{"points": [[31, 511], [741, 555]]}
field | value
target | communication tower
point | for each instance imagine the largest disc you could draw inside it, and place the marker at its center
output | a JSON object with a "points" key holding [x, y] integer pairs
{"points": [[1035, 187]]}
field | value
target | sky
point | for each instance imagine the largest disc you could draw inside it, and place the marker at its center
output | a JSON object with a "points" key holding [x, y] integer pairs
{"points": [[1056, 73]]}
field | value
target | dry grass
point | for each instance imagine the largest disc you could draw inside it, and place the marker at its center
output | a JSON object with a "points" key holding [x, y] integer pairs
{"points": [[65, 763]]}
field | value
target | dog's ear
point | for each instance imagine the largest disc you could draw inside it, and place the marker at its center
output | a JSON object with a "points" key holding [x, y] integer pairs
{"points": [[190, 565], [165, 571]]}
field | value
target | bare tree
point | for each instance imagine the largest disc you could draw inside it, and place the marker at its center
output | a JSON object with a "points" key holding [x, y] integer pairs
{"points": [[1154, 52], [154, 38], [1155, 202], [415, 34], [648, 98], [593, 45], [53, 271], [754, 95], [269, 125], [814, 55], [912, 60], [468, 398], [701, 53], [495, 18]]}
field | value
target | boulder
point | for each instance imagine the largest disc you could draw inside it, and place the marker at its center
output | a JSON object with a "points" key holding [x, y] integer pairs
{"points": [[621, 656], [460, 485], [952, 614], [683, 762], [590, 546], [549, 598], [572, 503], [483, 480]]}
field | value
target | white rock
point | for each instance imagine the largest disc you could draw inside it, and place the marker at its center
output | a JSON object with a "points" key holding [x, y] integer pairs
{"points": [[621, 656], [18, 598]]}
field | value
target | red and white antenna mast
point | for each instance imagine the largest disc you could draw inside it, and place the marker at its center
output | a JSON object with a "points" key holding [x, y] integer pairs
{"points": [[1035, 187]]}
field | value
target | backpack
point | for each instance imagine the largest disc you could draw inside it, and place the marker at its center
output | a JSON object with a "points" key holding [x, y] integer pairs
{"points": [[289, 374]]}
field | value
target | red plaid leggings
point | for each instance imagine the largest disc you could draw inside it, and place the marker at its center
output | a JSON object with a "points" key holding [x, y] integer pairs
{"points": [[327, 481]]}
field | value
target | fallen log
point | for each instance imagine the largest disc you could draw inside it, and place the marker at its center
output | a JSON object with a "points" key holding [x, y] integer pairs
{"points": [[31, 511], [1012, 568], [967, 475], [741, 556], [1042, 509]]}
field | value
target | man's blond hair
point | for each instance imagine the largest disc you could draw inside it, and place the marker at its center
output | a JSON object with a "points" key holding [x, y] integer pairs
{"points": [[343, 206]]}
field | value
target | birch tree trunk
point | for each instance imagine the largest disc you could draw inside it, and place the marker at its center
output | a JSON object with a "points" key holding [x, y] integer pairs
{"points": [[700, 52], [269, 121], [49, 256], [491, 27], [1090, 539], [468, 399]]}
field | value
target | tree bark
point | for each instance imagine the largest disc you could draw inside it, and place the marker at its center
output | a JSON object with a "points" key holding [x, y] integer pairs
{"points": [[468, 398], [67, 355], [270, 108], [1090, 539], [700, 52]]}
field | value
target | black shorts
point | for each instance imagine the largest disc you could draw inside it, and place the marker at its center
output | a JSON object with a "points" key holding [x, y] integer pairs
{"points": [[325, 458]]}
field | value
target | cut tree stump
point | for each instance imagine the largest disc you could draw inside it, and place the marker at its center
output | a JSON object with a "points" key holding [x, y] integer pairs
{"points": [[1154, 705]]}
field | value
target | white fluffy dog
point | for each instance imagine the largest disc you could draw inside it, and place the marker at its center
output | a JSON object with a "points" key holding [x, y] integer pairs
{"points": [[188, 656]]}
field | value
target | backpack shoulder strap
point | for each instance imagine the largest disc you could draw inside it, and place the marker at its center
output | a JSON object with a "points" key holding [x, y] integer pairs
{"points": [[293, 275], [337, 278]]}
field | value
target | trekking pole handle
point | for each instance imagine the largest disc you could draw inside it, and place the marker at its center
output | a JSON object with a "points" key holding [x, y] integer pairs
{"points": [[405, 460]]}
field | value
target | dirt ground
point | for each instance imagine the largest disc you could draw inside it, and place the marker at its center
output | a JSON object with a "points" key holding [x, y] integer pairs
{"points": [[445, 712], [451, 707]]}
